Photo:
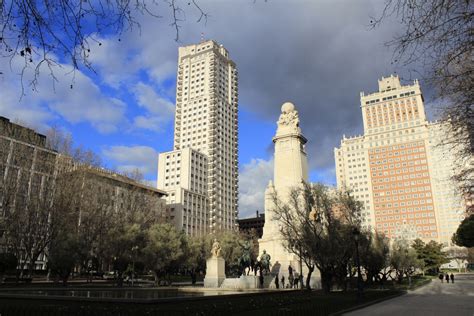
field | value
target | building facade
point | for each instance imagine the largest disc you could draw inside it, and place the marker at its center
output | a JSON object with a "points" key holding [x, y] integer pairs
{"points": [[206, 122], [101, 192], [27, 170], [396, 168], [184, 175], [34, 177], [252, 225]]}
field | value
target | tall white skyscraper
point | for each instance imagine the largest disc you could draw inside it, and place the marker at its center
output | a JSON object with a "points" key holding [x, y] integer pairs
{"points": [[205, 124]]}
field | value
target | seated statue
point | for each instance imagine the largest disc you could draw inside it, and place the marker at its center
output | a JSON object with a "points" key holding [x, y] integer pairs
{"points": [[216, 249]]}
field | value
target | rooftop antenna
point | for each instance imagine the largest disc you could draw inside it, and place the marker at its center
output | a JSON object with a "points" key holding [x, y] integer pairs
{"points": [[202, 37]]}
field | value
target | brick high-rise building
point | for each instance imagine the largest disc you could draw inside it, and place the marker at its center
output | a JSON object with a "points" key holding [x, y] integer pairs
{"points": [[205, 198], [396, 168]]}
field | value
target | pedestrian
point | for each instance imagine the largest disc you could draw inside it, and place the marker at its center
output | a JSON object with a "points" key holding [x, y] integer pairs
{"points": [[291, 280], [441, 277], [283, 281], [277, 285], [447, 278], [452, 278], [261, 279], [297, 281]]}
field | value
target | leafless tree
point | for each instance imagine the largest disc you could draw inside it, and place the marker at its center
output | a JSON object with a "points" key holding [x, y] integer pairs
{"points": [[62, 142], [459, 254], [439, 36], [317, 226], [109, 215], [27, 189], [43, 32]]}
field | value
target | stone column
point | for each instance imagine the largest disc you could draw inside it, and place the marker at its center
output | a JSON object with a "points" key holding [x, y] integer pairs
{"points": [[290, 170]]}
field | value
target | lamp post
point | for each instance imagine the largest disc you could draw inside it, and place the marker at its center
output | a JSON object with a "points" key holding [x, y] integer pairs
{"points": [[408, 268], [134, 250], [356, 234], [301, 267]]}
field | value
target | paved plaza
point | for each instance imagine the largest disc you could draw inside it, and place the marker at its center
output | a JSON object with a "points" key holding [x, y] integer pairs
{"points": [[435, 298]]}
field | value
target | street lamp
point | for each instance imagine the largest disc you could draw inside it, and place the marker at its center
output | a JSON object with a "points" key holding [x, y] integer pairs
{"points": [[356, 234], [301, 267], [409, 274], [134, 250]]}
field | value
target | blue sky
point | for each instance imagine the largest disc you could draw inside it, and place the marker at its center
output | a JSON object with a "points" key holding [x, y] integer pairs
{"points": [[316, 54]]}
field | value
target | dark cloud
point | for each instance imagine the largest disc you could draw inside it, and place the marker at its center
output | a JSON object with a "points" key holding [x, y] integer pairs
{"points": [[317, 54]]}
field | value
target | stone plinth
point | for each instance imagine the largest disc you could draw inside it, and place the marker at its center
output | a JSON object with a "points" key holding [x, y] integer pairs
{"points": [[215, 272]]}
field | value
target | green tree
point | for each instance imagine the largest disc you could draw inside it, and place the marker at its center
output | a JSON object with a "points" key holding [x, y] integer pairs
{"points": [[430, 254], [376, 255], [196, 255], [404, 260], [164, 251], [464, 235], [62, 255]]}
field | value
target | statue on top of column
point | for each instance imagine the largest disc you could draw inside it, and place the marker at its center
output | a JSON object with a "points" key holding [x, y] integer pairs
{"points": [[289, 116]]}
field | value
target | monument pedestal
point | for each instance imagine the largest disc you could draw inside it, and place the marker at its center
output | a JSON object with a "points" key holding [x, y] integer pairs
{"points": [[215, 272]]}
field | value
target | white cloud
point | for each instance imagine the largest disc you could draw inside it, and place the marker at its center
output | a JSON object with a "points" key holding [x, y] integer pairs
{"points": [[74, 97], [159, 111], [111, 59], [253, 179], [33, 115], [120, 62], [129, 158]]}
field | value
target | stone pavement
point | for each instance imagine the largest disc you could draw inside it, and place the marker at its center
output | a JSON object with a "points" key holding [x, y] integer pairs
{"points": [[435, 298]]}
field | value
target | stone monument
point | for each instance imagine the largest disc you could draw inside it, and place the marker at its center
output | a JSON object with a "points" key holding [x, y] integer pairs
{"points": [[290, 169], [215, 267]]}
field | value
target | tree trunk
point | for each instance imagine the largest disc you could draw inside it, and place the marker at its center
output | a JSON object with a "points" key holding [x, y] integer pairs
{"points": [[400, 276], [157, 278], [326, 281], [308, 277], [65, 278], [193, 277]]}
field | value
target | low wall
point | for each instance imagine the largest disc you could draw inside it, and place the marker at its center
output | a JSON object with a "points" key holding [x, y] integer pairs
{"points": [[248, 282]]}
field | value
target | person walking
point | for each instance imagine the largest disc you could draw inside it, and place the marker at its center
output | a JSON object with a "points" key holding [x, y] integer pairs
{"points": [[277, 285], [290, 280], [441, 277], [447, 278], [283, 281], [452, 278], [297, 281]]}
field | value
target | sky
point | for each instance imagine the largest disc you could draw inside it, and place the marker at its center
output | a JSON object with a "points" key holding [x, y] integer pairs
{"points": [[318, 54]]}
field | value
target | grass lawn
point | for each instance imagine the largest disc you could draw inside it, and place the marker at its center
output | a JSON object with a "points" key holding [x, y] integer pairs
{"points": [[267, 303]]}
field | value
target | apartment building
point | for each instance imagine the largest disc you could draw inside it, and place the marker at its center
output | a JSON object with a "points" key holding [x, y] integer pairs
{"points": [[205, 122], [183, 174], [27, 169], [395, 167], [31, 173]]}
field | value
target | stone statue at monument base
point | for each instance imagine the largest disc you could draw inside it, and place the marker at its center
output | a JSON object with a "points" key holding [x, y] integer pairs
{"points": [[215, 267]]}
